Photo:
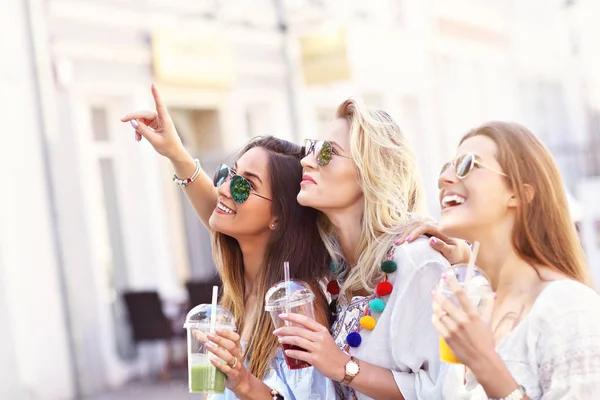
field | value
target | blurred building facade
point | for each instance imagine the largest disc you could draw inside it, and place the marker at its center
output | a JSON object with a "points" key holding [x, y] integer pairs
{"points": [[584, 157], [91, 212]]}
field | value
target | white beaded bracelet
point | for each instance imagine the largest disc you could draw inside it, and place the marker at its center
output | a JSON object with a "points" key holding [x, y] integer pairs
{"points": [[185, 182]]}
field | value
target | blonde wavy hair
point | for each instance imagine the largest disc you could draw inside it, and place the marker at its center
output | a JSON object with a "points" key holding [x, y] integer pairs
{"points": [[391, 186]]}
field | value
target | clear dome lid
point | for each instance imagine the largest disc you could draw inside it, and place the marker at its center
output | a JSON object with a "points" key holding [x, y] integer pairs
{"points": [[478, 288], [200, 316], [299, 293]]}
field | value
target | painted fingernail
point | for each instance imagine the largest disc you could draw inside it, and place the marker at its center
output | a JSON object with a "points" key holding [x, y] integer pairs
{"points": [[433, 241], [134, 123], [123, 117], [283, 315], [409, 238], [444, 275], [209, 344], [397, 241], [276, 331], [495, 295]]}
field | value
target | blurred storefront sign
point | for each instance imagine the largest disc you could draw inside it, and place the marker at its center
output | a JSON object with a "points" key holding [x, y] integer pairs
{"points": [[192, 60], [324, 57]]}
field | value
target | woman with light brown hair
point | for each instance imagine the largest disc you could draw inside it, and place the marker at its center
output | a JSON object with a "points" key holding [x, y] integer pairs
{"points": [[541, 339]]}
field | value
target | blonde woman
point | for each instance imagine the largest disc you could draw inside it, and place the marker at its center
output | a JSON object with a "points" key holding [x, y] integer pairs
{"points": [[361, 174]]}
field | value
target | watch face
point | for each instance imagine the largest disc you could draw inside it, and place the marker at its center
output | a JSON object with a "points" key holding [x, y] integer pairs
{"points": [[352, 368]]}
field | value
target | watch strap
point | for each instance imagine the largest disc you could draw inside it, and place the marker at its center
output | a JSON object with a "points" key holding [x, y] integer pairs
{"points": [[349, 377]]}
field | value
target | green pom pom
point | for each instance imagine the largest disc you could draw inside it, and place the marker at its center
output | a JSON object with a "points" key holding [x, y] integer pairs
{"points": [[333, 267], [377, 305], [389, 266]]}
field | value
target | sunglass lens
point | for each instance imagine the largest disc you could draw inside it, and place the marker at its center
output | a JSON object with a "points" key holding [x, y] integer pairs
{"points": [[464, 165], [240, 189], [324, 154], [221, 175]]}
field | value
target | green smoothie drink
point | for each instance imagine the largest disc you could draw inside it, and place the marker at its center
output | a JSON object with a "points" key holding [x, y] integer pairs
{"points": [[203, 376]]}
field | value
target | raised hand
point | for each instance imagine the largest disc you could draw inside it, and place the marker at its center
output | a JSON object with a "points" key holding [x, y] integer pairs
{"points": [[157, 127], [456, 251]]}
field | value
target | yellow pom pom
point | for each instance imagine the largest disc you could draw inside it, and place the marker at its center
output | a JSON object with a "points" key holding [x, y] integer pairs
{"points": [[368, 322]]}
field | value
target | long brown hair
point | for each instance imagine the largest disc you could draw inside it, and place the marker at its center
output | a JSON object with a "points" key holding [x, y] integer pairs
{"points": [[296, 240], [544, 233]]}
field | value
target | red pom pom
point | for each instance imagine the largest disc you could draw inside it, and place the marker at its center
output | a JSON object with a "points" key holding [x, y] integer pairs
{"points": [[384, 288], [333, 288]]}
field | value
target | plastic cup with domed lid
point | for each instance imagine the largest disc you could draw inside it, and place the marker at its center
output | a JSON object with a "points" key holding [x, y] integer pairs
{"points": [[295, 297], [479, 291], [202, 319]]}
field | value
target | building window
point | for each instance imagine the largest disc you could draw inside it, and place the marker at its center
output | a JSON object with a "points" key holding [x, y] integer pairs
{"points": [[108, 237], [99, 124], [116, 267]]}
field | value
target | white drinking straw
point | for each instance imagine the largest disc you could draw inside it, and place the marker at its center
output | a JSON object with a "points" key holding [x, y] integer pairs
{"points": [[286, 275], [213, 313], [471, 265]]}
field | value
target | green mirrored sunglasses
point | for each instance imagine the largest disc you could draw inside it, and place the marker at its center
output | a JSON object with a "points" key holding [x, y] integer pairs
{"points": [[239, 187], [321, 149]]}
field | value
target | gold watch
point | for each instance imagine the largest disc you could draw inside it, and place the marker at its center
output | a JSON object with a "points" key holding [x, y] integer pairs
{"points": [[352, 369]]}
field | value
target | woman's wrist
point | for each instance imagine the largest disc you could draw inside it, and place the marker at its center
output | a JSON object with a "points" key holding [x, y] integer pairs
{"points": [[339, 372], [252, 388], [183, 164], [180, 157], [493, 375]]}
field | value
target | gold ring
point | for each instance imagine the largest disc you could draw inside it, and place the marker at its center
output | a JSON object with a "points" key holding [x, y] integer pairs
{"points": [[235, 362]]}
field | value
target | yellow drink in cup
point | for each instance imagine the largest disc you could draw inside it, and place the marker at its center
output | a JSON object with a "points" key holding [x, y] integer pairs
{"points": [[478, 289], [446, 354]]}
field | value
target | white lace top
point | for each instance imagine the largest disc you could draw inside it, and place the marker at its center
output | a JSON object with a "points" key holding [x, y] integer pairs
{"points": [[554, 352]]}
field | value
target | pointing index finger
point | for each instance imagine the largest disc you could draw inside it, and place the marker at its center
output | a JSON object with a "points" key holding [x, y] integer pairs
{"points": [[161, 110]]}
